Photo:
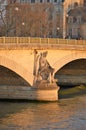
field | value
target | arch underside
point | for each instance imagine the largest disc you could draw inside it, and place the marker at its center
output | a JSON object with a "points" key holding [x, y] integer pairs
{"points": [[71, 76], [25, 72], [69, 58], [17, 68]]}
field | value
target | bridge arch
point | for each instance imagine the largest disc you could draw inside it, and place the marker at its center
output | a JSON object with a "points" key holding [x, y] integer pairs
{"points": [[17, 68], [68, 58]]}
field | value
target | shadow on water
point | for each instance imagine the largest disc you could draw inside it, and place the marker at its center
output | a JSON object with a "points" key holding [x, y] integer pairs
{"points": [[9, 107], [72, 91], [12, 106]]}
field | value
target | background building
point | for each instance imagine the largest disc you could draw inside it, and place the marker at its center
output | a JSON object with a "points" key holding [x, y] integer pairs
{"points": [[67, 6], [76, 23], [54, 19], [57, 12]]}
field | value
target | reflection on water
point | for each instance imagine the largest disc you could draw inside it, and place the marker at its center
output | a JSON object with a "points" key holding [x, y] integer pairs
{"points": [[65, 114]]}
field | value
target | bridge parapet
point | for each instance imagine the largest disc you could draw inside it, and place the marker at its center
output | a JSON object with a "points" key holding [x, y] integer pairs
{"points": [[29, 40]]}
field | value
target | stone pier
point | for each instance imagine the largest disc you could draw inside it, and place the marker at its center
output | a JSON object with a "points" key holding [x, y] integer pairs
{"points": [[44, 84], [27, 93]]}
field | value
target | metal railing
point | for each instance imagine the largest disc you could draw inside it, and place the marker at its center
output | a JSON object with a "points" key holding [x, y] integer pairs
{"points": [[30, 40]]}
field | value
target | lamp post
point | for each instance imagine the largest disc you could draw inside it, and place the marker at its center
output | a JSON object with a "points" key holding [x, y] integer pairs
{"points": [[16, 9], [58, 31], [65, 10], [66, 34], [46, 30], [22, 29], [23, 23], [65, 22]]}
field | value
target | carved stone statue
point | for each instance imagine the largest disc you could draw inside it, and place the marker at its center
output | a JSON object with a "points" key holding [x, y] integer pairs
{"points": [[45, 71], [42, 69]]}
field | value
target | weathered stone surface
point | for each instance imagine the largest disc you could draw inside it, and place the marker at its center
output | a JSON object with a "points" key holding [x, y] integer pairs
{"points": [[71, 80], [21, 61], [24, 92]]}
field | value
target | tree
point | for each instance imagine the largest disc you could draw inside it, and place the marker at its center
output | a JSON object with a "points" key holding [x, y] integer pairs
{"points": [[2, 13], [26, 19], [4, 28]]}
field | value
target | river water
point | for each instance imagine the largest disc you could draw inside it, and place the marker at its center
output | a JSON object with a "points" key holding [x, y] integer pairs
{"points": [[65, 114]]}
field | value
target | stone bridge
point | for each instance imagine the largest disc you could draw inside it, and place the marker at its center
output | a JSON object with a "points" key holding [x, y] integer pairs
{"points": [[17, 54]]}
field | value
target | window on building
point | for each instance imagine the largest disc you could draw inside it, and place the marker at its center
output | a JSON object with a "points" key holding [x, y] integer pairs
{"points": [[55, 1], [78, 19], [85, 1], [22, 1], [70, 19], [32, 1], [41, 1], [74, 19], [48, 1], [74, 32]]}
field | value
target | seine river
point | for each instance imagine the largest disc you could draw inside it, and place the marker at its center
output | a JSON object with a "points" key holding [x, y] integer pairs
{"points": [[66, 114]]}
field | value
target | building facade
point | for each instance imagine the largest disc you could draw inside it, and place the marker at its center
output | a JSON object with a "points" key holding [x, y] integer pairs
{"points": [[61, 28], [76, 23], [62, 14], [39, 1], [67, 6]]}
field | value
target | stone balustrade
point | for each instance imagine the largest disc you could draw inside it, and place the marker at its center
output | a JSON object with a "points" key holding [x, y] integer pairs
{"points": [[37, 40]]}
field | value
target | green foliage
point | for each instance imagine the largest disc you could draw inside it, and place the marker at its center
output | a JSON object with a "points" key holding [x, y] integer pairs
{"points": [[72, 92]]}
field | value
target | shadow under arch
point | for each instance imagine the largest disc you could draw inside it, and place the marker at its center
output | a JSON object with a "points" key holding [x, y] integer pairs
{"points": [[70, 89], [68, 58], [17, 68]]}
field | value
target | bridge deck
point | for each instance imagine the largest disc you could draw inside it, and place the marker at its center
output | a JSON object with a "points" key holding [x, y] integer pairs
{"points": [[41, 43]]}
